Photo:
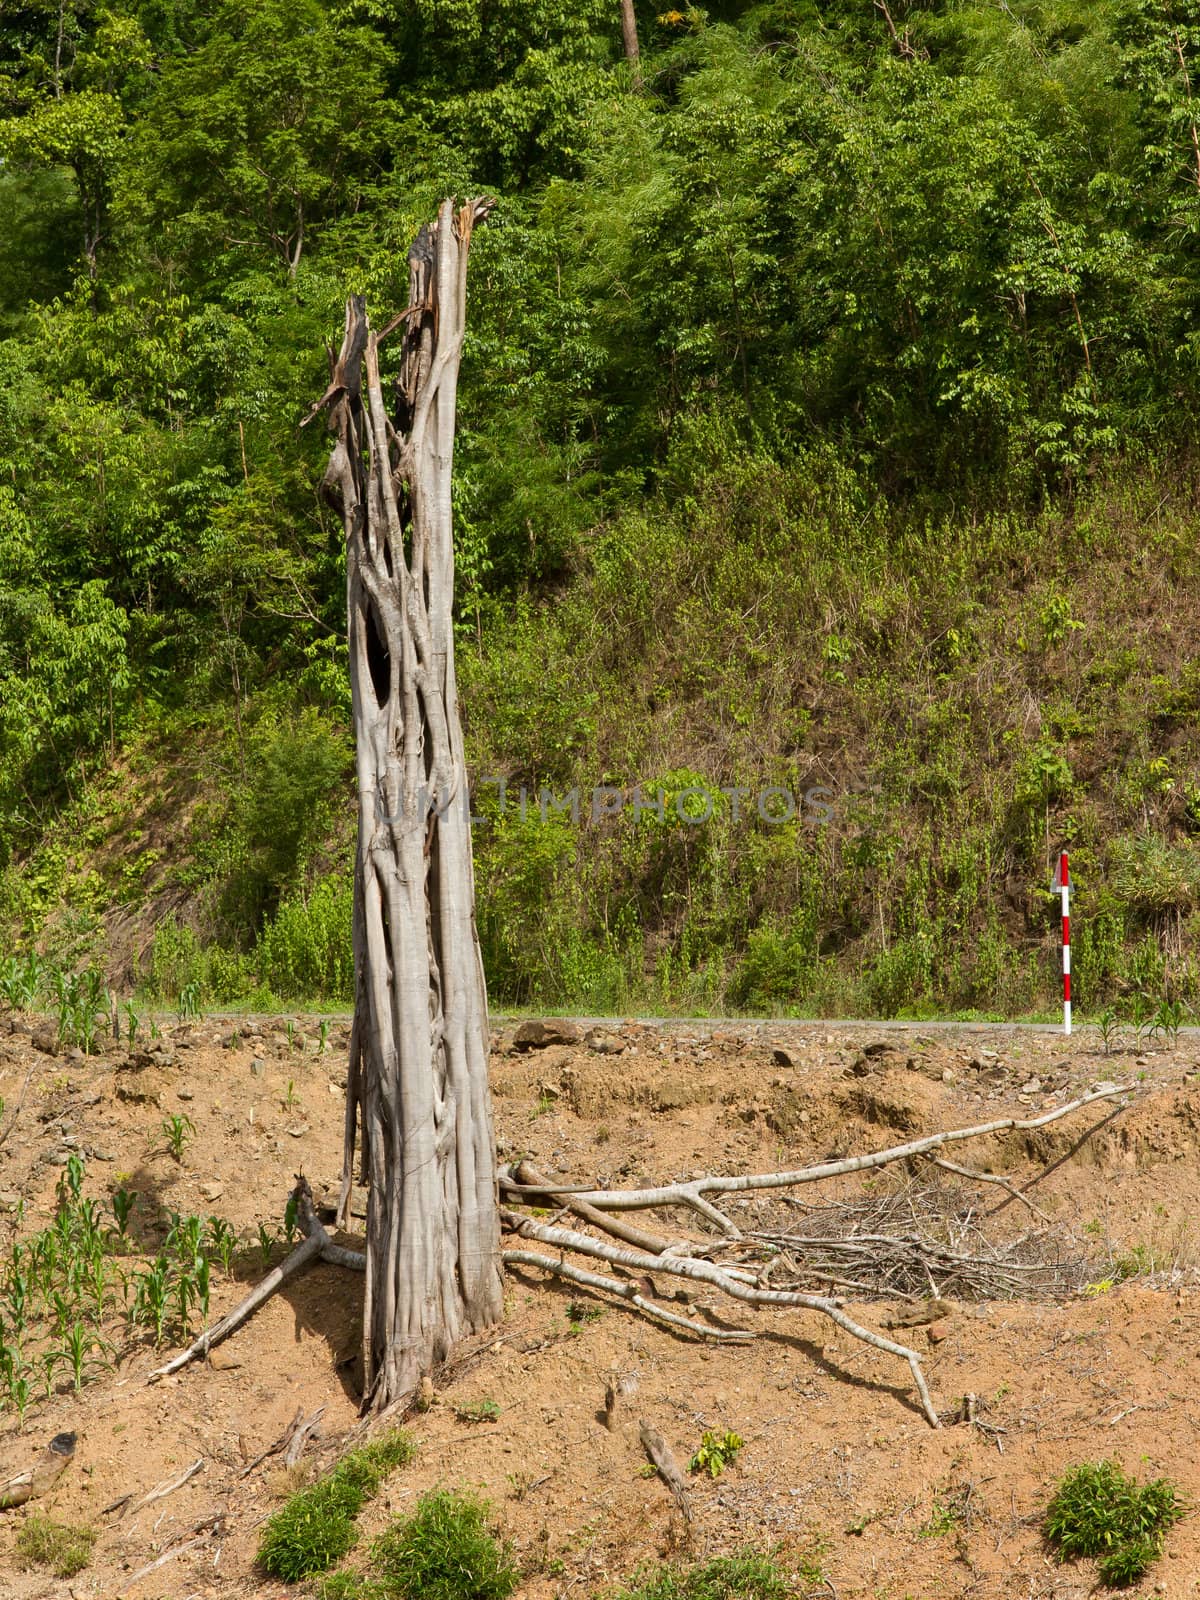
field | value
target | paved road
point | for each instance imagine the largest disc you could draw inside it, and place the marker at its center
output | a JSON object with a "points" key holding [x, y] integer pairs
{"points": [[501, 1019]]}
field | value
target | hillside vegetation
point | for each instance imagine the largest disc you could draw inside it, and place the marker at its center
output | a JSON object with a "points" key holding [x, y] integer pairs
{"points": [[827, 426]]}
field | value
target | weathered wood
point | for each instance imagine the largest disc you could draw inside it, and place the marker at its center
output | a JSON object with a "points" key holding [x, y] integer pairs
{"points": [[728, 1282], [661, 1454], [691, 1192], [42, 1476], [418, 1102], [315, 1246]]}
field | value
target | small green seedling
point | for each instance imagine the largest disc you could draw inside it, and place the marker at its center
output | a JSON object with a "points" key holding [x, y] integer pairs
{"points": [[189, 1002], [579, 1313], [1168, 1020], [178, 1130], [1109, 1029], [123, 1202], [222, 1241], [717, 1451], [478, 1411]]}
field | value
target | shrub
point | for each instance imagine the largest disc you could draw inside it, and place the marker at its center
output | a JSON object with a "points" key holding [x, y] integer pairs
{"points": [[1098, 1511], [307, 951]]}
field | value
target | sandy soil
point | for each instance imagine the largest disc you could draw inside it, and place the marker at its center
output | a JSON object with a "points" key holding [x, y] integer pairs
{"points": [[838, 1458]]}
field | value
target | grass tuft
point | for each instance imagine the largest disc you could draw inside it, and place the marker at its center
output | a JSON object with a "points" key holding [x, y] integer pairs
{"points": [[445, 1551], [748, 1575], [42, 1542], [315, 1528]]}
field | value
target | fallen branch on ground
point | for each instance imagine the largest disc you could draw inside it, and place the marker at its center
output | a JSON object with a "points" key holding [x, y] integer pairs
{"points": [[622, 1289], [317, 1246], [169, 1485], [705, 1272], [691, 1193]]}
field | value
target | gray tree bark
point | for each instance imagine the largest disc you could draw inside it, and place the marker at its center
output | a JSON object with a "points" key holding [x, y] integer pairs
{"points": [[417, 1101], [629, 38]]}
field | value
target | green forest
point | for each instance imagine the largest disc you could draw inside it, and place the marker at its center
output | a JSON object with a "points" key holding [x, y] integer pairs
{"points": [[827, 421]]}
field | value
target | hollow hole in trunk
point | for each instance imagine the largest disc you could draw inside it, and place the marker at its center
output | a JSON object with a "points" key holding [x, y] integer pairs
{"points": [[379, 660], [385, 925]]}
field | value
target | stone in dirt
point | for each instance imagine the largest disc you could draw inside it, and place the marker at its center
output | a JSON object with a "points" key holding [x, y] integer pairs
{"points": [[783, 1056], [158, 1055], [933, 1312], [603, 1043], [537, 1035]]}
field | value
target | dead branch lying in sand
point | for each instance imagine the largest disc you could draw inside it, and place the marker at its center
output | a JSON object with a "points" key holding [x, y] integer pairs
{"points": [[691, 1193], [316, 1246], [882, 1246]]}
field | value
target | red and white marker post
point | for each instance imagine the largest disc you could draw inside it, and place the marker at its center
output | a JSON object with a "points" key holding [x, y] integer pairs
{"points": [[1062, 882]]}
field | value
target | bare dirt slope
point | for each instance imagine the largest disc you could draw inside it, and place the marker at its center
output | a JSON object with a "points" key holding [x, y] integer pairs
{"points": [[837, 1457]]}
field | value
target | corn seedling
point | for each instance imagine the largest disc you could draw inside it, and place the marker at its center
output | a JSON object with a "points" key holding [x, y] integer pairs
{"points": [[133, 1024], [70, 1185], [82, 1351], [222, 1242], [21, 982], [123, 1202], [1142, 1017], [266, 1243], [178, 1130], [152, 1298], [189, 1002], [1109, 1029], [81, 1003], [1168, 1020]]}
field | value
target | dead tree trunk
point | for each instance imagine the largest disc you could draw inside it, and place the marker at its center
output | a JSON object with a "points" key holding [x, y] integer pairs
{"points": [[417, 1086]]}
